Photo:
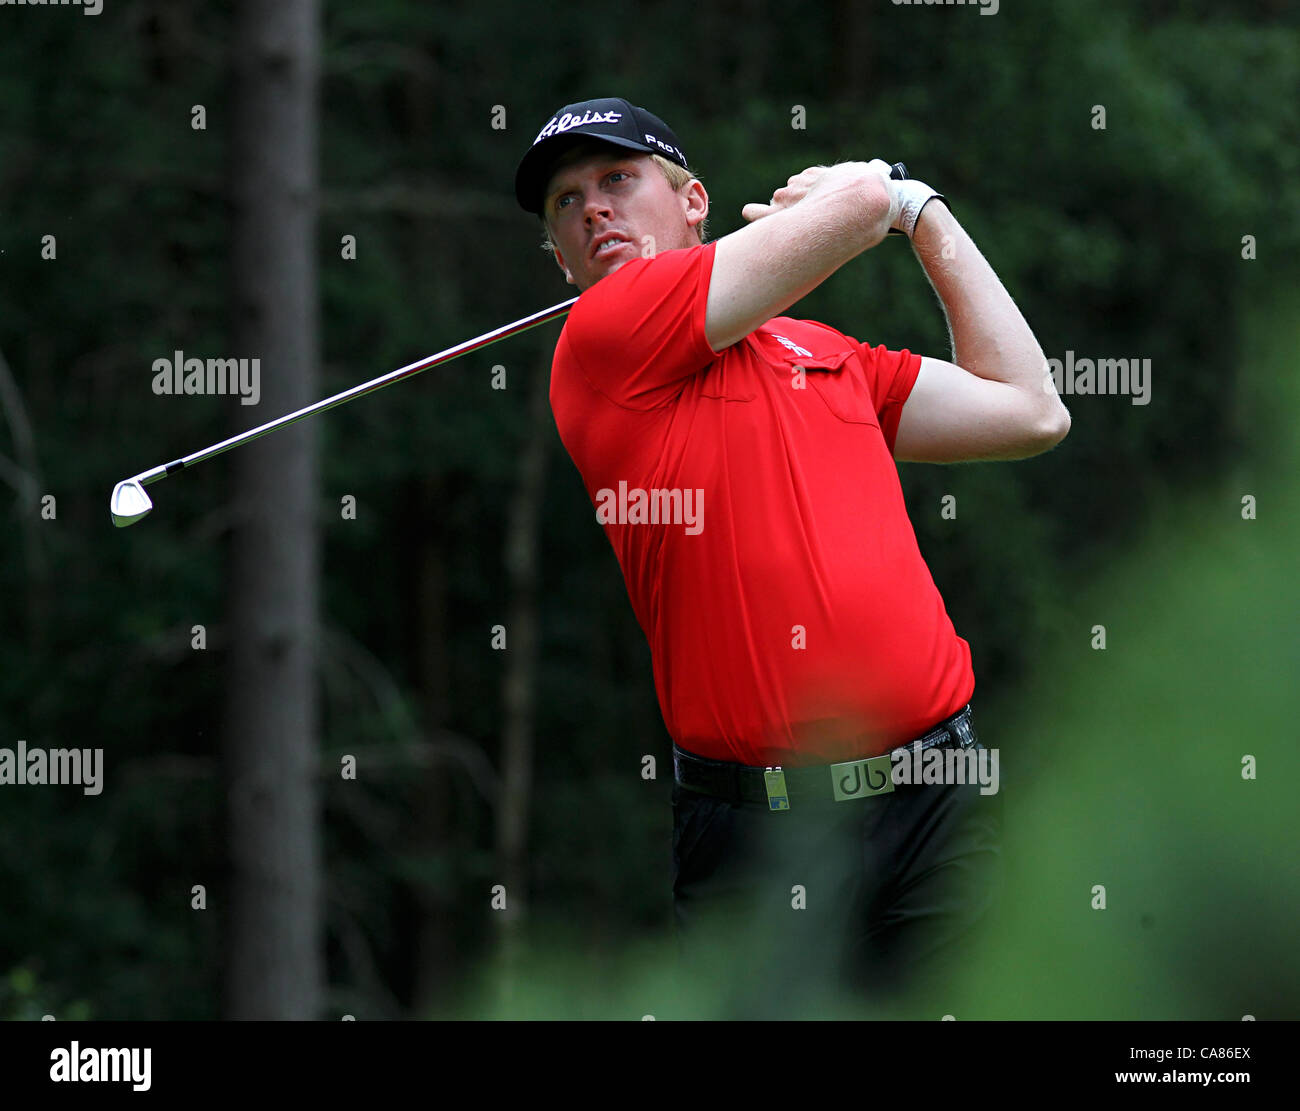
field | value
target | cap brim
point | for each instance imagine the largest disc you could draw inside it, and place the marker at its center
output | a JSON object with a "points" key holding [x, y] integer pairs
{"points": [[535, 169]]}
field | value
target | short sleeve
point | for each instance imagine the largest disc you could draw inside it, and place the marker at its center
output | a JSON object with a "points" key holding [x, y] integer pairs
{"points": [[890, 376], [638, 334]]}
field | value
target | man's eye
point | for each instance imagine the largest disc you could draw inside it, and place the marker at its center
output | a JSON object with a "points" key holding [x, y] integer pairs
{"points": [[560, 201]]}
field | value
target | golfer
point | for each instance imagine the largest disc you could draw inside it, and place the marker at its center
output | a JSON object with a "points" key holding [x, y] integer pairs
{"points": [[742, 464]]}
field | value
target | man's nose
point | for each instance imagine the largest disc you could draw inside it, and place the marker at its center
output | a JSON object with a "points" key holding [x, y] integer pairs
{"points": [[596, 205]]}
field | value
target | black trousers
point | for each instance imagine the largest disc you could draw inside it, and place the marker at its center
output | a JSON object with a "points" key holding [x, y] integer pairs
{"points": [[873, 902]]}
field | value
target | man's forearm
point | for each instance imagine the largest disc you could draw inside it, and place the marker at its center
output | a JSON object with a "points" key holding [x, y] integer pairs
{"points": [[990, 338]]}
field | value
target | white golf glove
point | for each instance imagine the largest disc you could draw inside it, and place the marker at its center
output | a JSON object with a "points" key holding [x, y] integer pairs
{"points": [[909, 197]]}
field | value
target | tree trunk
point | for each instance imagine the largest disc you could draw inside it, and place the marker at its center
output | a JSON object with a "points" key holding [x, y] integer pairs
{"points": [[274, 949], [519, 683]]}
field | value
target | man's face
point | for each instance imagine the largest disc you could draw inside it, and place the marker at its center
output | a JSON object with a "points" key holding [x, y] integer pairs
{"points": [[605, 207]]}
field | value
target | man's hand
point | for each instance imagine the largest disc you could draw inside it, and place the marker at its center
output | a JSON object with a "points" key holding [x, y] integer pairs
{"points": [[809, 182], [906, 198]]}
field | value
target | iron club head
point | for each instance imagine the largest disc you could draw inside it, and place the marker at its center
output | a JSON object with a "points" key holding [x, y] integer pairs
{"points": [[130, 502]]}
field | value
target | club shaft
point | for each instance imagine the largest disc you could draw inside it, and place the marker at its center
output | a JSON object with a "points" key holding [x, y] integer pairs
{"points": [[898, 171], [555, 312]]}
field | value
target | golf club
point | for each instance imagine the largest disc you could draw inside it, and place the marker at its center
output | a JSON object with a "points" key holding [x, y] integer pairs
{"points": [[130, 502]]}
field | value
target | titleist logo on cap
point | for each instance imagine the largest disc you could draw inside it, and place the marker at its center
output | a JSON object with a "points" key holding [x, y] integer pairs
{"points": [[568, 121]]}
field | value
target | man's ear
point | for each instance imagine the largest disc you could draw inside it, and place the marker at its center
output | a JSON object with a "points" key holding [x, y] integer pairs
{"points": [[697, 202]]}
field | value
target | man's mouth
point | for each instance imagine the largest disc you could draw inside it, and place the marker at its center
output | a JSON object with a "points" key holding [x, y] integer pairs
{"points": [[606, 243]]}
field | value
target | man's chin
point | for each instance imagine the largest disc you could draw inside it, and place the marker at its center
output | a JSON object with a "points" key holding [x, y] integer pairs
{"points": [[603, 272]]}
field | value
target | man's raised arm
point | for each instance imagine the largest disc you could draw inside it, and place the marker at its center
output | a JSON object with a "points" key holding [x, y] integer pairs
{"points": [[823, 217], [993, 401]]}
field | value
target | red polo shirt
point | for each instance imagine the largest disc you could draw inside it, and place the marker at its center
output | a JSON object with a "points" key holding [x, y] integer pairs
{"points": [[753, 502]]}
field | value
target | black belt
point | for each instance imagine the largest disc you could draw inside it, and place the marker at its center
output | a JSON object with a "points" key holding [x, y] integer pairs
{"points": [[778, 788]]}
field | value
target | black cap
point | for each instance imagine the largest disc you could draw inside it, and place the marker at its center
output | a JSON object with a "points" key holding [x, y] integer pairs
{"points": [[609, 119]]}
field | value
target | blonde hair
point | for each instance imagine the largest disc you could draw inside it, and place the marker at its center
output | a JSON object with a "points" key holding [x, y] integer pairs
{"points": [[678, 177]]}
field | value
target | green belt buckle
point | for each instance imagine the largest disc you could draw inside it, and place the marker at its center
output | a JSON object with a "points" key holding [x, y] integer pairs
{"points": [[777, 796], [856, 779]]}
